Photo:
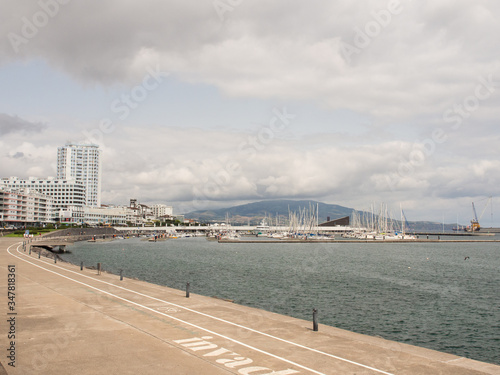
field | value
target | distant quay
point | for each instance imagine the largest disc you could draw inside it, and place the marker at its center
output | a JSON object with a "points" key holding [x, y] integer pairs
{"points": [[455, 234], [352, 241]]}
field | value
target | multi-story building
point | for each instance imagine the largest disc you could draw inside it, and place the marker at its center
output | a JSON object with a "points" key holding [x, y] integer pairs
{"points": [[161, 210], [95, 215], [25, 206], [82, 163], [137, 214], [66, 192]]}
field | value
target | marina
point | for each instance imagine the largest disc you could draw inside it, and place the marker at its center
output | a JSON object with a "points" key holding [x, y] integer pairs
{"points": [[250, 188]]}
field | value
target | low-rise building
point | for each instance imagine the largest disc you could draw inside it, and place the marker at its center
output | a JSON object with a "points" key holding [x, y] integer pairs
{"points": [[105, 215]]}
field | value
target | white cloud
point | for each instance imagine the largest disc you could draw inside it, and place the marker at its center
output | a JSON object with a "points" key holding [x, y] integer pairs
{"points": [[428, 59], [429, 52]]}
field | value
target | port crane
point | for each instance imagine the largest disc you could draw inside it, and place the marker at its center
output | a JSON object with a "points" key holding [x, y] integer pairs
{"points": [[474, 223]]}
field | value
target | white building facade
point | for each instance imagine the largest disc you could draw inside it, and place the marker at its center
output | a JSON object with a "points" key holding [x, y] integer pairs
{"points": [[66, 192], [114, 216], [161, 210], [25, 206], [82, 163]]}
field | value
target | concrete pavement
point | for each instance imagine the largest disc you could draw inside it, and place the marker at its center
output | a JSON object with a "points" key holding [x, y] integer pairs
{"points": [[68, 321]]}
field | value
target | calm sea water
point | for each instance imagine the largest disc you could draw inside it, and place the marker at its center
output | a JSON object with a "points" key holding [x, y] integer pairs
{"points": [[424, 294]]}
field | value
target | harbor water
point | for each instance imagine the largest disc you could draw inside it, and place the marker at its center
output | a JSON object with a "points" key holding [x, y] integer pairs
{"points": [[442, 296]]}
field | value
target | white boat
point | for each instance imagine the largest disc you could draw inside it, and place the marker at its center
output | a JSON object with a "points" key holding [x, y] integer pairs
{"points": [[230, 235], [262, 230]]}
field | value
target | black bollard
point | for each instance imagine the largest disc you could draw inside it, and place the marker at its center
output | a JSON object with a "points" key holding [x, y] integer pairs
{"points": [[98, 268], [121, 275], [30, 250], [315, 320], [39, 254], [187, 289], [81, 266]]}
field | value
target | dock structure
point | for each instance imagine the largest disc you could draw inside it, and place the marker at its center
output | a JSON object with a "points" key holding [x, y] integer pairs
{"points": [[72, 320], [54, 245]]}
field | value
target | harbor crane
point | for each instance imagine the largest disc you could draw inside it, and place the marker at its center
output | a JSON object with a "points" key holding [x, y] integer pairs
{"points": [[474, 223]]}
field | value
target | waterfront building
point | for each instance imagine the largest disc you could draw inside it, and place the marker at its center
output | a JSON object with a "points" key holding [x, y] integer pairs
{"points": [[82, 163], [108, 215], [25, 207], [65, 192], [114, 216], [161, 210], [143, 213]]}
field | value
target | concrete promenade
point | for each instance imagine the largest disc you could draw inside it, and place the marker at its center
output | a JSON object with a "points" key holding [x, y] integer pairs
{"points": [[68, 321]]}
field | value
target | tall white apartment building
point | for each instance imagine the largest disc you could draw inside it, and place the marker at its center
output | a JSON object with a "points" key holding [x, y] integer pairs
{"points": [[82, 163]]}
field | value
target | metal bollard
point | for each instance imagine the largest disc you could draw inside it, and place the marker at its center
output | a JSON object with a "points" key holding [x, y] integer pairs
{"points": [[98, 268], [55, 258], [315, 320], [39, 254], [81, 266], [121, 274], [187, 289], [30, 250]]}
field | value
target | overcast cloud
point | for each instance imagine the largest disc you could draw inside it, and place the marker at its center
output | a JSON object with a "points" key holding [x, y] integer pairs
{"points": [[14, 124], [387, 101]]}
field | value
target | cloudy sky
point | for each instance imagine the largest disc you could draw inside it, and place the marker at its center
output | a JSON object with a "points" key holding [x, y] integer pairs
{"points": [[220, 102]]}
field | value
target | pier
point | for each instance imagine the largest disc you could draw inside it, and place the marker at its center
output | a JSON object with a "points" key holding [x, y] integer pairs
{"points": [[80, 321]]}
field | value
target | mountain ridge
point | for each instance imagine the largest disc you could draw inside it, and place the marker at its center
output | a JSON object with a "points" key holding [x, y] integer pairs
{"points": [[256, 211], [253, 213]]}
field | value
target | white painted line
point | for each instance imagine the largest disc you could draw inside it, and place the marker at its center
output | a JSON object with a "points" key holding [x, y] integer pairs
{"points": [[200, 313], [169, 316]]}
